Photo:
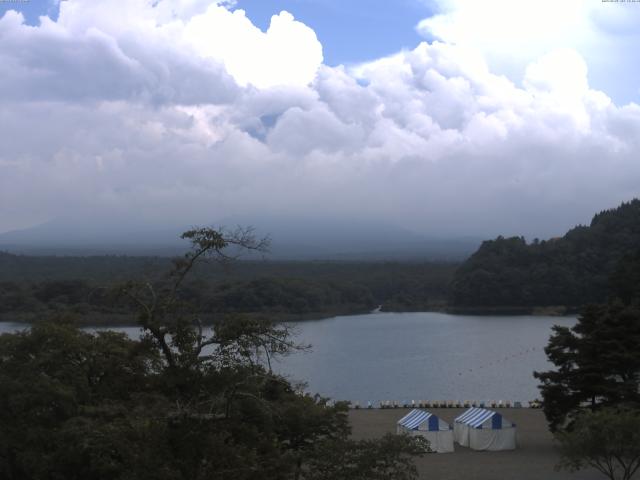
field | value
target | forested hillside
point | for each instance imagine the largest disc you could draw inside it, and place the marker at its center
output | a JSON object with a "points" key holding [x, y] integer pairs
{"points": [[572, 271], [32, 288]]}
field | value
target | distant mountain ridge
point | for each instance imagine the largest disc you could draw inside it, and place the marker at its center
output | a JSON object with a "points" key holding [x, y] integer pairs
{"points": [[292, 239], [573, 270]]}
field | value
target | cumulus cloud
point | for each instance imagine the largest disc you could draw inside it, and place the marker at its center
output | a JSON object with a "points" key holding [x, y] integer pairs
{"points": [[510, 35], [66, 63], [287, 53], [505, 28], [162, 109]]}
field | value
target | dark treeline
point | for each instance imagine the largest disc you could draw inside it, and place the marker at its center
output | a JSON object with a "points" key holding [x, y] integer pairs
{"points": [[24, 268], [571, 271], [33, 286]]}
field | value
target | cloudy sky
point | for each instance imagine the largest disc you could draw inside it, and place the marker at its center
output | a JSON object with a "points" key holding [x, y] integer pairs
{"points": [[450, 117]]}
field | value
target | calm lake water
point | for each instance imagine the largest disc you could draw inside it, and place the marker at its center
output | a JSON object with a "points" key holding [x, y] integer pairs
{"points": [[423, 356], [417, 356]]}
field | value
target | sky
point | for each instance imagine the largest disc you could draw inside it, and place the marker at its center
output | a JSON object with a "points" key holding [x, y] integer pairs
{"points": [[350, 31], [447, 117]]}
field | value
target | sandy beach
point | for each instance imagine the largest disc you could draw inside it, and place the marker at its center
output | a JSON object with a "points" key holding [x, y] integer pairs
{"points": [[534, 458]]}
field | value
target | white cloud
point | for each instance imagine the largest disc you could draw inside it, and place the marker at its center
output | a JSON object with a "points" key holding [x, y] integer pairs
{"points": [[511, 34], [144, 108], [57, 61], [288, 53], [508, 28]]}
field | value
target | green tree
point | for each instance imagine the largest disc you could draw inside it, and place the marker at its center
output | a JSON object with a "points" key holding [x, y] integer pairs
{"points": [[597, 363], [625, 281], [57, 382], [607, 440], [387, 458], [597, 360], [186, 401]]}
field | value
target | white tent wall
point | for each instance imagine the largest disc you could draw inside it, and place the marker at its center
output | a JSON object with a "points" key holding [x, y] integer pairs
{"points": [[461, 434], [461, 428], [424, 424], [492, 440], [439, 442], [482, 429]]}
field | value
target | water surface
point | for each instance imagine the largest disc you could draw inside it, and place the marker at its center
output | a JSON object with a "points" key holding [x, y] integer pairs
{"points": [[423, 356], [416, 356]]}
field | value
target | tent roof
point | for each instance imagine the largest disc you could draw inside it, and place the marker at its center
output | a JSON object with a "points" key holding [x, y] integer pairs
{"points": [[415, 418], [475, 417]]}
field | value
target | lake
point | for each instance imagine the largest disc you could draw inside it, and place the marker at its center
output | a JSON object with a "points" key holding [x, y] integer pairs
{"points": [[417, 356]]}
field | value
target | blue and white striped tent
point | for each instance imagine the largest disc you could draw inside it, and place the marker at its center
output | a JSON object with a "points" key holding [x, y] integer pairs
{"points": [[425, 424], [482, 429]]}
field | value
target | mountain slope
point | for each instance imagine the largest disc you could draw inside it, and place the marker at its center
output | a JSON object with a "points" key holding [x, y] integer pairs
{"points": [[573, 270], [292, 239]]}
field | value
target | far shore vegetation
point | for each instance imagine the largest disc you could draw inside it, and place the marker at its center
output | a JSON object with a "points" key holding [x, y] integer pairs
{"points": [[505, 276]]}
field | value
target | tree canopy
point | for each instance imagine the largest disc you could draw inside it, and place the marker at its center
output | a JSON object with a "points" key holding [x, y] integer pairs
{"points": [[32, 288], [597, 360], [607, 440], [573, 270], [597, 363], [184, 402]]}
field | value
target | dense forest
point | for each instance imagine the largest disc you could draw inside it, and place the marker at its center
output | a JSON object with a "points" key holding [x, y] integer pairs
{"points": [[505, 274], [570, 271], [34, 287]]}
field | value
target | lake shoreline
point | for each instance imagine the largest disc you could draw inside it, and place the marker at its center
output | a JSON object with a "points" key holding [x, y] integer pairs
{"points": [[549, 311], [124, 320]]}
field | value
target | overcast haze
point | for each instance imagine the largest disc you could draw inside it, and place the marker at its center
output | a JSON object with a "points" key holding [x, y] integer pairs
{"points": [[503, 120]]}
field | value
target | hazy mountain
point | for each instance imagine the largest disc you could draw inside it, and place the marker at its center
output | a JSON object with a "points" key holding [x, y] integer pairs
{"points": [[291, 238], [93, 237]]}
